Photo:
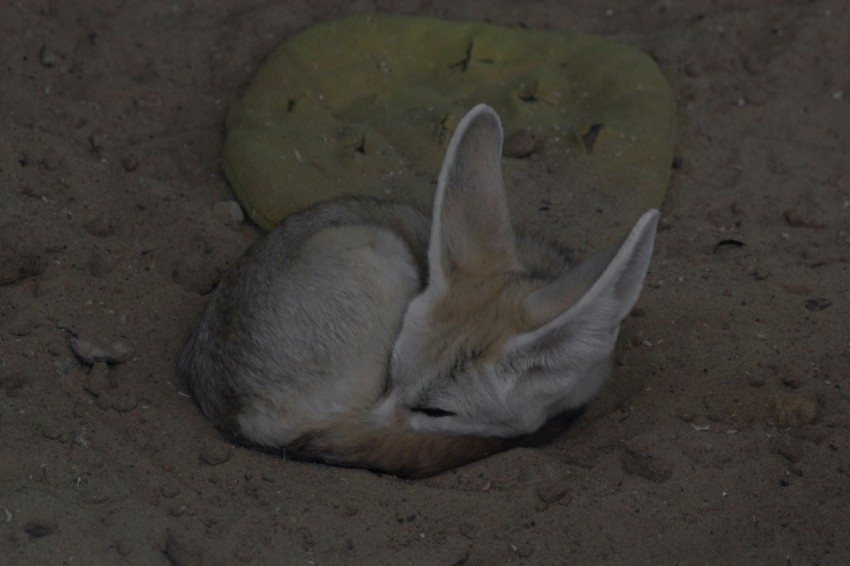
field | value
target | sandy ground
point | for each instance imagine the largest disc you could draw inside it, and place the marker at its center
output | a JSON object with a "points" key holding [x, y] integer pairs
{"points": [[723, 437]]}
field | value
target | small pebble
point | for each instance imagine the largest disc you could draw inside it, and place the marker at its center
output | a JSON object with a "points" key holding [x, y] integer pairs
{"points": [[47, 57], [794, 410], [130, 163], [91, 353], [728, 244], [468, 530], [124, 547], [121, 352], [799, 219], [620, 358], [177, 511], [818, 304], [50, 430], [95, 497], [101, 263], [215, 454], [760, 274], [307, 540], [20, 328], [38, 528], [524, 551], [103, 401], [550, 492], [50, 160], [87, 351], [80, 409], [519, 144], [177, 551], [125, 402], [693, 69], [81, 440], [169, 490], [641, 458]]}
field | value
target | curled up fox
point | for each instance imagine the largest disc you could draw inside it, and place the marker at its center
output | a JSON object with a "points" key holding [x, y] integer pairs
{"points": [[363, 333]]}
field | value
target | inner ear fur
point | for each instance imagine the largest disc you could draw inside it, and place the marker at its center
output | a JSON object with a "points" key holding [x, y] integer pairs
{"points": [[471, 231]]}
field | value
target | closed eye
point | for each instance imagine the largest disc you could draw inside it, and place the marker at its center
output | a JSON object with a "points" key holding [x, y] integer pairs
{"points": [[433, 412]]}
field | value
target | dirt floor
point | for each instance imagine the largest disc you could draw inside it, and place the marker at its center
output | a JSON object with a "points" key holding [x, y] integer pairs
{"points": [[723, 436]]}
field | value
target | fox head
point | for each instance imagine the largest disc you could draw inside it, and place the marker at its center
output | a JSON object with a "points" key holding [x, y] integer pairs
{"points": [[491, 348]]}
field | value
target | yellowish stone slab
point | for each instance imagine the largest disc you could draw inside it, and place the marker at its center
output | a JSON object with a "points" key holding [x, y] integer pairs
{"points": [[367, 104]]}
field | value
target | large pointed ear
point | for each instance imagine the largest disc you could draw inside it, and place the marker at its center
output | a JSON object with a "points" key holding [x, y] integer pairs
{"points": [[471, 230], [589, 302]]}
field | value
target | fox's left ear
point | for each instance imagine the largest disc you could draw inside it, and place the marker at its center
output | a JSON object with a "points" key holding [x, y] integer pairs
{"points": [[471, 229], [578, 315]]}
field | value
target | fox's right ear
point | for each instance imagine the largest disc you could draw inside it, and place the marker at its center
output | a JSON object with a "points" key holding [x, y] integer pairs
{"points": [[577, 316], [471, 229], [606, 285]]}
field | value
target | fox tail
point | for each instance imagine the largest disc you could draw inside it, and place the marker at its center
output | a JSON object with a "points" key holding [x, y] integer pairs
{"points": [[353, 441]]}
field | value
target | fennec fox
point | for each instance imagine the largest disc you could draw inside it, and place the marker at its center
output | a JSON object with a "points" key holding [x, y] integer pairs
{"points": [[359, 332]]}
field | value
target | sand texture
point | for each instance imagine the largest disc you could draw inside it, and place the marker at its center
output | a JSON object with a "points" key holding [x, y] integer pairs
{"points": [[723, 436]]}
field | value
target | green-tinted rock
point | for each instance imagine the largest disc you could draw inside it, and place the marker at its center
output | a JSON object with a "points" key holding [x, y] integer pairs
{"points": [[367, 104]]}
